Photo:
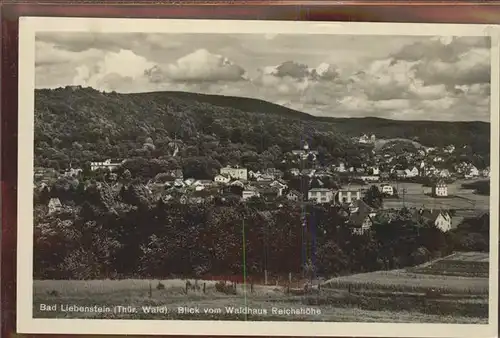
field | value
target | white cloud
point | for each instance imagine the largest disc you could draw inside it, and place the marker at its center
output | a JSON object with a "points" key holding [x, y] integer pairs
{"points": [[199, 66], [112, 69]]}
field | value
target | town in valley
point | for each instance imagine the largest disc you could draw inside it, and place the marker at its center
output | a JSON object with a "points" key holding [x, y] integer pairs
{"points": [[347, 184]]}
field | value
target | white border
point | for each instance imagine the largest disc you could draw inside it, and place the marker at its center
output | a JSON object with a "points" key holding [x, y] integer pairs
{"points": [[26, 324]]}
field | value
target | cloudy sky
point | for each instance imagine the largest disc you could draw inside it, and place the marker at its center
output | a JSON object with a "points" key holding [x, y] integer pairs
{"points": [[398, 77]]}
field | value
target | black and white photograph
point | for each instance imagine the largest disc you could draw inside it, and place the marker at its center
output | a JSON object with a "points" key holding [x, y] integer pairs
{"points": [[227, 175]]}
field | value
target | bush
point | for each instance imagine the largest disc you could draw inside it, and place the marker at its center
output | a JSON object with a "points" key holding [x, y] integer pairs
{"points": [[223, 287]]}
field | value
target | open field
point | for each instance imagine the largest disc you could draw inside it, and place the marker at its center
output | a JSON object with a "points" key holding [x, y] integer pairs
{"points": [[325, 305], [415, 196], [465, 264], [382, 296]]}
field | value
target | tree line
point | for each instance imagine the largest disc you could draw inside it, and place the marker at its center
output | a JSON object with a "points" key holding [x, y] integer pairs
{"points": [[101, 233]]}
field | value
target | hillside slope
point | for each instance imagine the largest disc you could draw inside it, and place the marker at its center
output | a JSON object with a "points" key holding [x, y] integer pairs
{"points": [[428, 133], [78, 125]]}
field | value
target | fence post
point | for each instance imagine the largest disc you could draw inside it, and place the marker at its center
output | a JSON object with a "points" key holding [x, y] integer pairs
{"points": [[187, 284], [150, 290], [204, 287]]}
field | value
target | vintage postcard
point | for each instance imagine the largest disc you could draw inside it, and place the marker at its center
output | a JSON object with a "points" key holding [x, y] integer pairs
{"points": [[209, 177]]}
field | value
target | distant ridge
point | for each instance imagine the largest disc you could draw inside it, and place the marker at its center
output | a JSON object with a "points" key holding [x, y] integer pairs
{"points": [[85, 115], [254, 105]]}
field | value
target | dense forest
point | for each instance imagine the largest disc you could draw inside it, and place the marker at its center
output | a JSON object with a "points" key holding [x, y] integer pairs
{"points": [[74, 126], [111, 233]]}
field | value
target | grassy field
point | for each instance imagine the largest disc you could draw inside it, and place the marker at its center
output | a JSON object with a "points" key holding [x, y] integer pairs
{"points": [[415, 196], [463, 264], [383, 296], [454, 284]]}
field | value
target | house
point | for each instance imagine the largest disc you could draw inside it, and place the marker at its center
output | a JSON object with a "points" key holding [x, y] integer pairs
{"points": [[237, 183], [72, 172], [249, 192], [348, 195], [440, 189], [275, 173], [444, 173], [265, 177], [54, 205], [279, 184], [440, 218], [224, 179], [486, 172], [320, 195], [189, 181], [341, 168], [253, 175], [236, 173], [108, 165], [294, 195], [295, 172], [387, 190], [202, 183], [308, 172], [305, 152], [370, 178], [363, 139], [471, 172], [179, 183], [360, 217], [411, 173], [375, 171]]}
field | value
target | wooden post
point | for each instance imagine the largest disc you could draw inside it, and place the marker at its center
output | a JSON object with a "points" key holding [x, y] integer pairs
{"points": [[150, 290], [319, 286], [265, 277], [204, 287], [187, 284], [289, 277]]}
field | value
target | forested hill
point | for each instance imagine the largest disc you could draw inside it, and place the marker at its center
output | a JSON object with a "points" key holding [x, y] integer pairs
{"points": [[76, 125]]}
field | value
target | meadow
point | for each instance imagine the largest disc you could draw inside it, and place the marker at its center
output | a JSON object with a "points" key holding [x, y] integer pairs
{"points": [[416, 197], [407, 295]]}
